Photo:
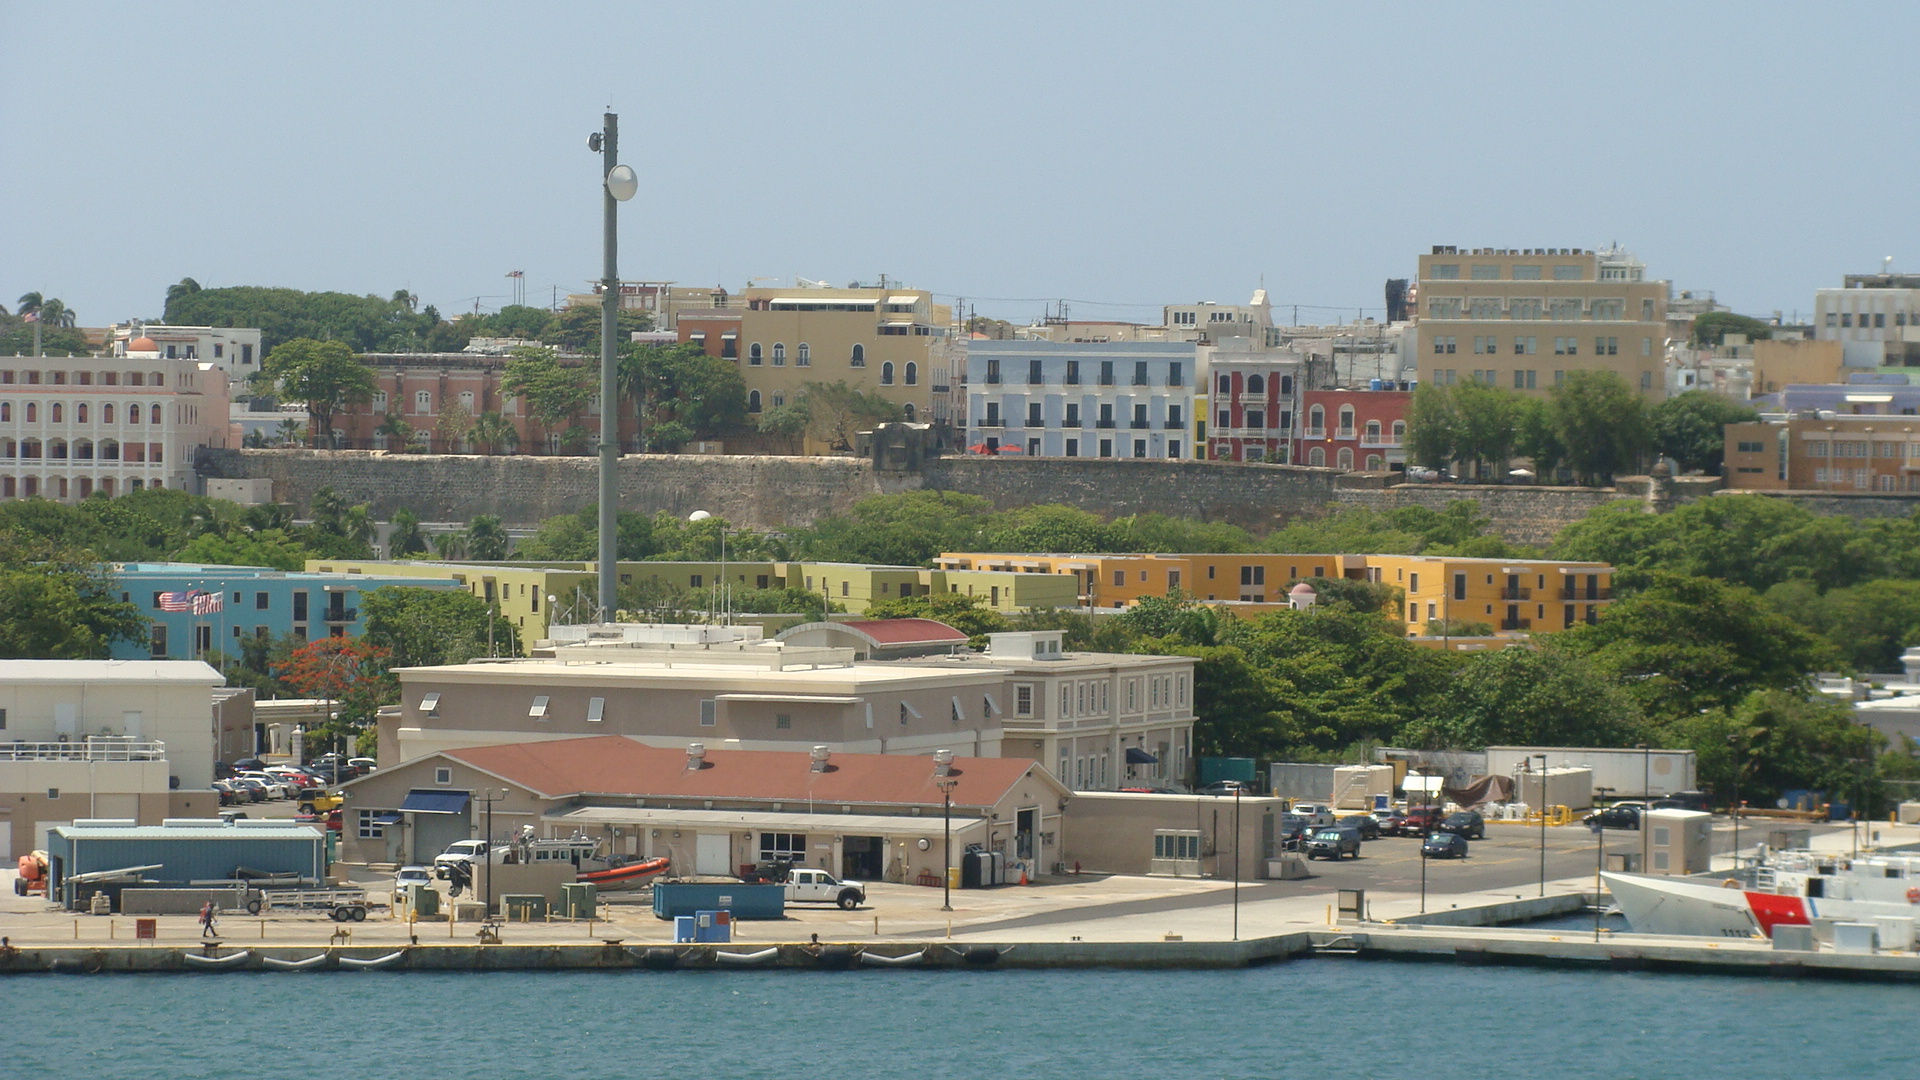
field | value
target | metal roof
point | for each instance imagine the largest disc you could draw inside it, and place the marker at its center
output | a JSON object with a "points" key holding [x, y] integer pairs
{"points": [[761, 819], [177, 671], [188, 832]]}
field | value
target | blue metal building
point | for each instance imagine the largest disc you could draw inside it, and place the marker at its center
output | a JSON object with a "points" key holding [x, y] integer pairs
{"points": [[251, 600], [182, 850]]}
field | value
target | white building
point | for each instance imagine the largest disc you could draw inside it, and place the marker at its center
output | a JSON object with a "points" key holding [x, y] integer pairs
{"points": [[1875, 316], [72, 426], [235, 350], [1055, 399], [102, 738]]}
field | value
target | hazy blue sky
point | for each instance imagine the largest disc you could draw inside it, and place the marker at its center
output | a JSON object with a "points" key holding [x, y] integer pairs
{"points": [[1118, 155]]}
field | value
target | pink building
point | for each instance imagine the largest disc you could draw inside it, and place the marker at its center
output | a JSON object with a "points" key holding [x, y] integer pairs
{"points": [[1253, 400]]}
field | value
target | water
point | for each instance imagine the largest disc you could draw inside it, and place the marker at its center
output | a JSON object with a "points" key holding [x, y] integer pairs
{"points": [[1317, 1018]]}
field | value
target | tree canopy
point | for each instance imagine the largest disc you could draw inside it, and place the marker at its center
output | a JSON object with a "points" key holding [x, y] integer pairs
{"points": [[326, 375]]}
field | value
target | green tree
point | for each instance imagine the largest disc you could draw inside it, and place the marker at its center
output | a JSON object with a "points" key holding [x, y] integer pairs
{"points": [[362, 323], [1691, 428], [1487, 425], [830, 413], [323, 374], [1537, 440], [1713, 327], [517, 321], [59, 604], [681, 394], [406, 538], [1530, 697], [495, 433], [906, 529], [272, 548], [454, 426], [577, 328], [1433, 428], [1602, 423], [554, 392], [423, 627], [486, 538]]}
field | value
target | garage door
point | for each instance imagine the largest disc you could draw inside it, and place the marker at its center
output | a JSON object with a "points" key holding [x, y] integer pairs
{"points": [[710, 854], [6, 840], [433, 832]]}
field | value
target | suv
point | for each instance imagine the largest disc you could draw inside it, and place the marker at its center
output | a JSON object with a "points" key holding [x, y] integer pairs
{"points": [[1467, 823], [1333, 843], [1419, 820], [1315, 813]]}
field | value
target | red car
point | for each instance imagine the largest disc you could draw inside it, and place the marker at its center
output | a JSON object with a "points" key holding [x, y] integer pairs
{"points": [[1419, 820]]}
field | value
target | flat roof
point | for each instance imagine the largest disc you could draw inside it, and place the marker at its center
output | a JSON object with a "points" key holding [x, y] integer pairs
{"points": [[771, 820], [48, 671], [681, 666]]}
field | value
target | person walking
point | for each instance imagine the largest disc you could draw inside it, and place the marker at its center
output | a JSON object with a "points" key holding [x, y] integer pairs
{"points": [[206, 920]]}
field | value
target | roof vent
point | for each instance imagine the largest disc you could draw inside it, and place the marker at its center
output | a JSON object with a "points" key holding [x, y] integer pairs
{"points": [[696, 755], [942, 762], [820, 756]]}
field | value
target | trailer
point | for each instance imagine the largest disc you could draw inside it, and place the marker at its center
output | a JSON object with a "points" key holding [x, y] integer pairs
{"points": [[341, 905], [1624, 772]]}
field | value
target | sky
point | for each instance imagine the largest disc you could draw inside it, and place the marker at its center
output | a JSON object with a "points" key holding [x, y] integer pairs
{"points": [[1117, 156]]}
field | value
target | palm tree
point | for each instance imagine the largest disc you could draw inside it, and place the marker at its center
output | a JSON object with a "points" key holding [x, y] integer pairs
{"points": [[450, 545], [487, 538], [405, 538], [495, 432], [398, 432]]}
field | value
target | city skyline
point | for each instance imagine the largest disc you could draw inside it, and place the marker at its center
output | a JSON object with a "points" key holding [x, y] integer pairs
{"points": [[1013, 157]]}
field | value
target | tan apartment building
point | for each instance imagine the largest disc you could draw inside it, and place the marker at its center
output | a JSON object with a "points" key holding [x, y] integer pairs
{"points": [[873, 339], [1523, 318], [1832, 453]]}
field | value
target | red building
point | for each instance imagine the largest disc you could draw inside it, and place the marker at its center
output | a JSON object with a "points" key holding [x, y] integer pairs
{"points": [[1252, 402], [1353, 428]]}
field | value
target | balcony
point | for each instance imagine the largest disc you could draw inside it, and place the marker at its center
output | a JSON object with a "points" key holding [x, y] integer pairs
{"points": [[1346, 434], [1389, 441], [1104, 424], [108, 749], [1516, 594], [1175, 425], [1516, 624], [1314, 433], [1140, 425], [1586, 594], [941, 388], [991, 421]]}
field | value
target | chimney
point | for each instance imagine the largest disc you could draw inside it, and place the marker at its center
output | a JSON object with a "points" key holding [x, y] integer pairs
{"points": [[942, 762], [820, 756], [696, 755]]}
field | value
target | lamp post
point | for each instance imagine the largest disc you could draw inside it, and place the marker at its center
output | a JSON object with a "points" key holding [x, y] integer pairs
{"points": [[1733, 741], [1646, 801], [486, 857], [945, 784], [1423, 877], [1542, 758], [1599, 859], [1236, 864], [702, 515], [618, 184]]}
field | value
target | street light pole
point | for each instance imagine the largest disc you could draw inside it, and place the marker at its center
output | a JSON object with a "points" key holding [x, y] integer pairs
{"points": [[1599, 860], [1543, 823], [1236, 864], [946, 872], [1733, 741], [617, 185], [1646, 802]]}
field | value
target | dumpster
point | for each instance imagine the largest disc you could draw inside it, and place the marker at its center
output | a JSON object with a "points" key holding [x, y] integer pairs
{"points": [[578, 899], [673, 899]]}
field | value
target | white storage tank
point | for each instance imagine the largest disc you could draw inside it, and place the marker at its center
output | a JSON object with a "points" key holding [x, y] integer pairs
{"points": [[1565, 786]]}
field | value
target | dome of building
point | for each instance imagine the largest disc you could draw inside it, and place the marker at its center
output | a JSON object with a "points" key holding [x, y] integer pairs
{"points": [[143, 344]]}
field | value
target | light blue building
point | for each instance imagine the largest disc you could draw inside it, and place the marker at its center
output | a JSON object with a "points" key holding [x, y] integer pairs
{"points": [[1084, 399], [250, 600]]}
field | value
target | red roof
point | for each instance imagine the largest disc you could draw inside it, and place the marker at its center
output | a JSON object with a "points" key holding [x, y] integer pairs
{"points": [[617, 765], [905, 631]]}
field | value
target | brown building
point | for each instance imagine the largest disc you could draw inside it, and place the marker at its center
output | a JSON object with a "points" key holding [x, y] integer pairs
{"points": [[1830, 452], [711, 810], [1523, 318]]}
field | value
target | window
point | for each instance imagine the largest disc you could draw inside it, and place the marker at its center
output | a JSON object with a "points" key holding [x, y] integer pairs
{"points": [[1139, 373], [369, 826], [1563, 272], [1445, 307], [1073, 447], [753, 354], [1175, 375], [1034, 374], [783, 721], [753, 401], [1523, 380], [886, 374], [803, 356], [1106, 373], [1484, 345], [1073, 373], [1745, 447], [1566, 346], [913, 375], [1022, 703], [1443, 271], [1526, 346], [1073, 415], [1446, 345], [1606, 346], [779, 354], [859, 357], [783, 847], [1226, 384], [1033, 414], [539, 709], [596, 709], [709, 712]]}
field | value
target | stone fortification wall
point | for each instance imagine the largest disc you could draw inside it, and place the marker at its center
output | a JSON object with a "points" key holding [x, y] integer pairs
{"points": [[1253, 496]]}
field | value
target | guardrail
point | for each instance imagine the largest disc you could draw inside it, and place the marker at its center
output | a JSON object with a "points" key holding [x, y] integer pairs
{"points": [[89, 750]]}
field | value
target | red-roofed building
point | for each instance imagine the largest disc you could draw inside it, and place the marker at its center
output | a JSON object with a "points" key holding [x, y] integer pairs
{"points": [[711, 810]]}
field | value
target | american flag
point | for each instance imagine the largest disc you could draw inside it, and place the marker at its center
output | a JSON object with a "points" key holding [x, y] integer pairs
{"points": [[176, 601], [207, 603]]}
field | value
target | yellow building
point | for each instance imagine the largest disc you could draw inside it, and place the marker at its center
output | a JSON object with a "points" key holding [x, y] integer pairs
{"points": [[1509, 595], [1524, 318], [873, 339]]}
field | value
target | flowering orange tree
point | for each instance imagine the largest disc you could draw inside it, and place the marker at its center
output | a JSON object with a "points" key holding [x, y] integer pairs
{"points": [[346, 671]]}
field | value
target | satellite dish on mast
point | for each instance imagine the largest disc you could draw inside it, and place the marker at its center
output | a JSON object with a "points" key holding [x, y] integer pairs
{"points": [[622, 183]]}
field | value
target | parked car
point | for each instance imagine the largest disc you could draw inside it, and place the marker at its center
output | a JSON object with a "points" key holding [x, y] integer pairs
{"points": [[1315, 813], [275, 787], [1364, 824], [1683, 800], [250, 789], [247, 763], [1290, 830], [1333, 843], [1467, 823], [361, 766], [1388, 821], [1226, 787], [410, 875], [1444, 845], [230, 792], [1624, 815], [1419, 820], [231, 816]]}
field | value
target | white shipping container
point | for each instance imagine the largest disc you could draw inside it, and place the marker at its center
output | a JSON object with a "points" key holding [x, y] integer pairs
{"points": [[1625, 773]]}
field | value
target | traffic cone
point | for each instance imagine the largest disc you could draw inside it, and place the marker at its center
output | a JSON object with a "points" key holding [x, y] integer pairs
{"points": [[1023, 877]]}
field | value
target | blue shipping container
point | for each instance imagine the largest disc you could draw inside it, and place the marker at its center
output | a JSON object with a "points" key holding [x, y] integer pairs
{"points": [[671, 900]]}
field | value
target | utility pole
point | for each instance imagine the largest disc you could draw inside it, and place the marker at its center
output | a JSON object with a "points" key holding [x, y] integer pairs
{"points": [[617, 184]]}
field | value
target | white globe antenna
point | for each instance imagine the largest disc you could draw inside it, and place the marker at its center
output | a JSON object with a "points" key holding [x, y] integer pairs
{"points": [[698, 515], [622, 183]]}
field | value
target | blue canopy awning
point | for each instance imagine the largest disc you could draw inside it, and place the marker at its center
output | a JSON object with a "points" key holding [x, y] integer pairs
{"points": [[434, 802], [388, 817], [1137, 756]]}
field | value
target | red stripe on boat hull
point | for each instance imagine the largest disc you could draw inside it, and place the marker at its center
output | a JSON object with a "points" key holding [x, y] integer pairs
{"points": [[1771, 910]]}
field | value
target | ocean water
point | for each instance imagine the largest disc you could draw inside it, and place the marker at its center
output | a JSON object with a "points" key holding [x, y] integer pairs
{"points": [[1324, 1018]]}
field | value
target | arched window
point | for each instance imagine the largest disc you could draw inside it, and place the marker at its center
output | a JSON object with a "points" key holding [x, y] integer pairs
{"points": [[106, 413], [913, 373], [1375, 463], [909, 413], [804, 357], [133, 413], [109, 451], [467, 400], [30, 448], [86, 486], [1256, 385], [1399, 430], [422, 401], [33, 411], [57, 449], [83, 451], [106, 486], [1316, 422], [753, 401], [80, 413], [153, 415], [779, 354], [1373, 432], [753, 355], [6, 410], [32, 487], [56, 412], [1346, 419], [1317, 457], [779, 399], [886, 379], [859, 356], [8, 448], [1346, 458], [1286, 385]]}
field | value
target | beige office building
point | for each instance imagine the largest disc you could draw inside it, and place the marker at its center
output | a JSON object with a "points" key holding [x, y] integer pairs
{"points": [[1524, 318], [873, 339]]}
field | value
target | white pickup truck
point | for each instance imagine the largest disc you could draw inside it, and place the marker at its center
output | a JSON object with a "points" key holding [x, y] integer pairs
{"points": [[465, 853], [818, 886]]}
